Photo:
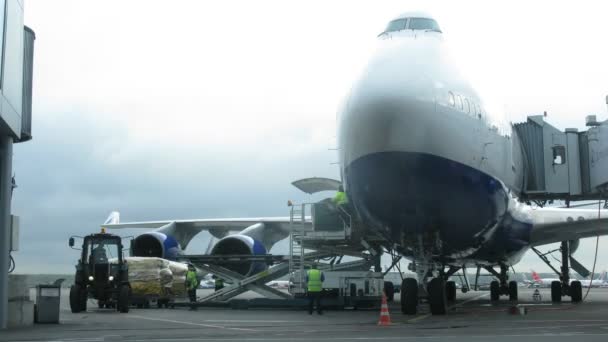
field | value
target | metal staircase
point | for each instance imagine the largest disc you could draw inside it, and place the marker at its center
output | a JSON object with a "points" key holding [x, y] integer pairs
{"points": [[296, 248]]}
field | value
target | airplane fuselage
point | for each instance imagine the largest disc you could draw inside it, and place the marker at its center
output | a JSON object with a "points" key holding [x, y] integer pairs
{"points": [[424, 163]]}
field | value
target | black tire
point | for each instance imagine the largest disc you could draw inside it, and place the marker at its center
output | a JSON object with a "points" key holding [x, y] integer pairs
{"points": [[389, 291], [576, 291], [437, 296], [101, 304], [409, 296], [556, 291], [75, 295], [123, 299], [450, 291], [494, 291], [513, 290]]}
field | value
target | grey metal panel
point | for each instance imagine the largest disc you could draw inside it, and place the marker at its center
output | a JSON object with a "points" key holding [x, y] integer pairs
{"points": [[531, 135], [28, 71], [598, 156], [583, 146], [574, 163], [12, 72]]}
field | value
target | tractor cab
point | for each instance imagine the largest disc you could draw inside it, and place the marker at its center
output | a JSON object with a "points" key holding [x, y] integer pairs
{"points": [[102, 257], [101, 273]]}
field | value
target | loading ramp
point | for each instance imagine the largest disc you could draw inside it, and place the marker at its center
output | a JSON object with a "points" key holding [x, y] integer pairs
{"points": [[315, 234]]}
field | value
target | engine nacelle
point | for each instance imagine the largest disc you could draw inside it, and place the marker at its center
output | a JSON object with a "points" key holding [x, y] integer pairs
{"points": [[155, 244], [243, 245]]}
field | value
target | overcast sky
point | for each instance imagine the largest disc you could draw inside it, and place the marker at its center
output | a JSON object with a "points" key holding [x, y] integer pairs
{"points": [[196, 109]]}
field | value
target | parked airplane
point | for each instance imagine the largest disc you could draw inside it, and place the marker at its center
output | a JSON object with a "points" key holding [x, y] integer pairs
{"points": [[537, 281], [428, 171], [601, 281]]}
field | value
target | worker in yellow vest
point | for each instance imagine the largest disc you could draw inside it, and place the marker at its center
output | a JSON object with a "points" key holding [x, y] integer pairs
{"points": [[341, 205], [340, 198], [191, 285], [314, 281]]}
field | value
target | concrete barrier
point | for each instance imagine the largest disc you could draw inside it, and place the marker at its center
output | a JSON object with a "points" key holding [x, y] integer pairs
{"points": [[20, 307]]}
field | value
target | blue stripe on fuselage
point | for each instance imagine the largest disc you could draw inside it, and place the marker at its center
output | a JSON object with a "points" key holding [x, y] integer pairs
{"points": [[405, 193]]}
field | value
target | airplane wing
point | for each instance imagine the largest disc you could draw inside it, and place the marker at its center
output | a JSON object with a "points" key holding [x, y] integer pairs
{"points": [[228, 224], [274, 228], [561, 224]]}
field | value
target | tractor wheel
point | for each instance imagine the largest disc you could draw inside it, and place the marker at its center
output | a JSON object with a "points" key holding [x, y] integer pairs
{"points": [[75, 296], [123, 299]]}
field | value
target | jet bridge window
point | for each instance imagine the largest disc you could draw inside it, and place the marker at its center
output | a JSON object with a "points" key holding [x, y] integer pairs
{"points": [[396, 25], [559, 155], [423, 24]]}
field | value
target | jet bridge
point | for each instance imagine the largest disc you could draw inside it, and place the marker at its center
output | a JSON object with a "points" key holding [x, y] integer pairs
{"points": [[568, 165]]}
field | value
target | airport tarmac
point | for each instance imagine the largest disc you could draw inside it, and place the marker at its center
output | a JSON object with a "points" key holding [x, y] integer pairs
{"points": [[471, 318]]}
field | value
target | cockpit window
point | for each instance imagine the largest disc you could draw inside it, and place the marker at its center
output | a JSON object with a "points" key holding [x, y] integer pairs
{"points": [[423, 24], [396, 25]]}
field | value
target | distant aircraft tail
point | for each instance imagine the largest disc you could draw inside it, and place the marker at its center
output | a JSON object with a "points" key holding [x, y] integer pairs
{"points": [[604, 277], [535, 276], [113, 218]]}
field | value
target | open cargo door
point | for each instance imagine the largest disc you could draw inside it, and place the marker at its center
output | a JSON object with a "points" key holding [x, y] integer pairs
{"points": [[316, 184]]}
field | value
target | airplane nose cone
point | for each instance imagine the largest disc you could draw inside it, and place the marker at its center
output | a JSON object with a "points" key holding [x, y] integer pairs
{"points": [[392, 106]]}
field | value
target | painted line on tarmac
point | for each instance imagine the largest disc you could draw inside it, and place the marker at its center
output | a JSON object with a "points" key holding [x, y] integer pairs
{"points": [[244, 321], [190, 323], [420, 318], [375, 338]]}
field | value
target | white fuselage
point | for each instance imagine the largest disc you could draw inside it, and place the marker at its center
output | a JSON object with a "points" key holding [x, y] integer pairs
{"points": [[421, 156]]}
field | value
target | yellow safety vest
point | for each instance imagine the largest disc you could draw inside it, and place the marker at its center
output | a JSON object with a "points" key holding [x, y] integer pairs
{"points": [[340, 198], [191, 281], [314, 281]]}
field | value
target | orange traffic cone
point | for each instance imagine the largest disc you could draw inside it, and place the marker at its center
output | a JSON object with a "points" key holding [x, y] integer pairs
{"points": [[385, 318]]}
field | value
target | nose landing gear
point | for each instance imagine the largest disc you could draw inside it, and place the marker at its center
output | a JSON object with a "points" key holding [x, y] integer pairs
{"points": [[435, 289]]}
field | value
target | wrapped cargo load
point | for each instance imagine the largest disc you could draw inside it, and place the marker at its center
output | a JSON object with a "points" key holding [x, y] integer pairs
{"points": [[153, 276], [156, 278]]}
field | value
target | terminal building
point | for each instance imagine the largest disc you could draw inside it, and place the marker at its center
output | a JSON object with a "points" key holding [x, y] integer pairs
{"points": [[16, 65]]}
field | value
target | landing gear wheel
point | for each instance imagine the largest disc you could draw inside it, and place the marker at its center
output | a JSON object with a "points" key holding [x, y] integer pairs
{"points": [[389, 290], [556, 291], [450, 291], [513, 290], [409, 296], [123, 299], [75, 298], [576, 291], [437, 296], [494, 291]]}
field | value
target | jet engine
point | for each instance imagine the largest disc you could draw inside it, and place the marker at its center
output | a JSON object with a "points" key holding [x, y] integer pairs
{"points": [[241, 245], [155, 244]]}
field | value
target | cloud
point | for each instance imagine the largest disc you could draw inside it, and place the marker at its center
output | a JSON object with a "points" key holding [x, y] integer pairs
{"points": [[200, 109]]}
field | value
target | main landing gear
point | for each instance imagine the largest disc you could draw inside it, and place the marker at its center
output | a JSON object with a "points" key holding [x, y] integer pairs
{"points": [[439, 292], [563, 287]]}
